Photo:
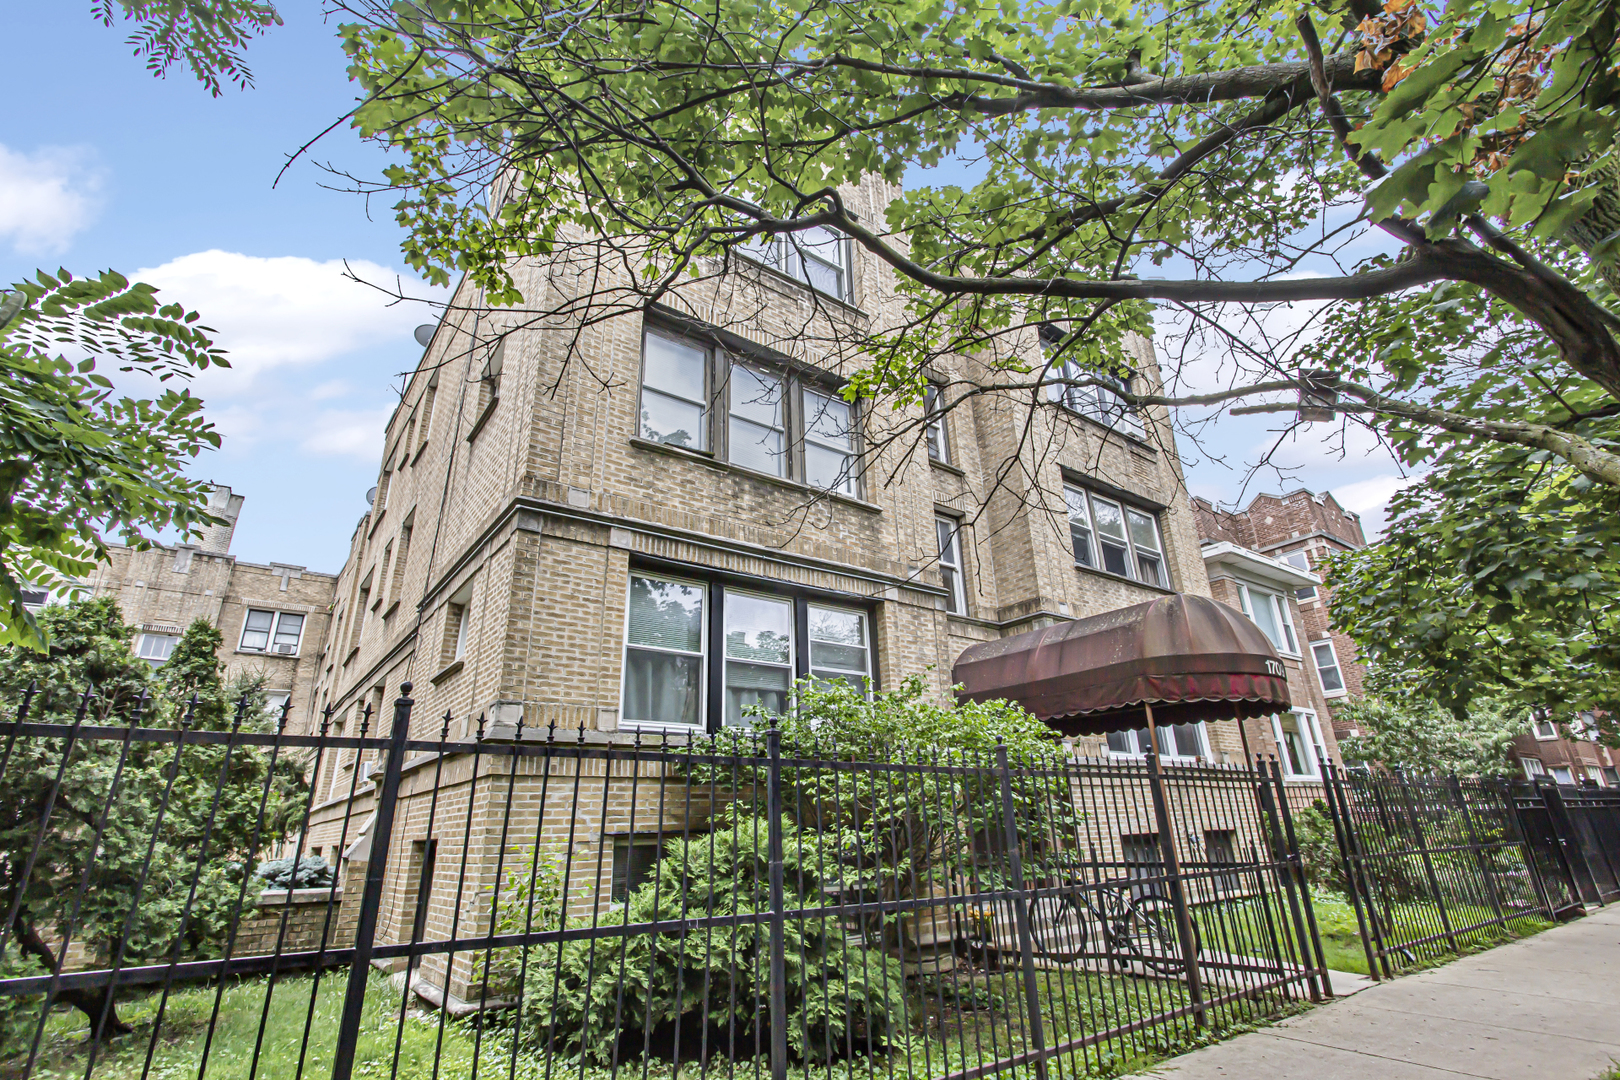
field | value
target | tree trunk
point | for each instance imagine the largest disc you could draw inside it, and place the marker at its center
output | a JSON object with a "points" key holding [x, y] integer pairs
{"points": [[99, 1006]]}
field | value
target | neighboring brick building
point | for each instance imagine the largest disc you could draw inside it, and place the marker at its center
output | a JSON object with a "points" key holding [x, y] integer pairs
{"points": [[1545, 751], [273, 618], [639, 525], [1301, 529]]}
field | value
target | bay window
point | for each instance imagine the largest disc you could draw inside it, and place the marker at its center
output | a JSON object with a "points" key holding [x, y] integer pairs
{"points": [[1269, 611], [756, 416], [699, 654], [1110, 535]]}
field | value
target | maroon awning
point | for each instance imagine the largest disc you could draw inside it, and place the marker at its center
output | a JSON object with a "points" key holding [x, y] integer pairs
{"points": [[1190, 657]]}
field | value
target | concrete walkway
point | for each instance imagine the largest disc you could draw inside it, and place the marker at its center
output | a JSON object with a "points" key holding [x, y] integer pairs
{"points": [[1545, 1008]]}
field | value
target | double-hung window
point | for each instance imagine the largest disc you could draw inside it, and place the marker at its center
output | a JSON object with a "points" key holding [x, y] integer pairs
{"points": [[818, 257], [939, 446], [155, 649], [1270, 613], [1092, 394], [1299, 742], [674, 395], [950, 563], [1327, 667], [275, 632], [1109, 535], [700, 655], [758, 417], [1183, 742]]}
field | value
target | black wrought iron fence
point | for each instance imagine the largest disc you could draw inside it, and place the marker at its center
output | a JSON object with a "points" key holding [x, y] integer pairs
{"points": [[578, 901], [1433, 865]]}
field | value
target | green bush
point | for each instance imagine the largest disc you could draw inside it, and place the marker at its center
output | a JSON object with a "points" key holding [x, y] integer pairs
{"points": [[586, 998]]}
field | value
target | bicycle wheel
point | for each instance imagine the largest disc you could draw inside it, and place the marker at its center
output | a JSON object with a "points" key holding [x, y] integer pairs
{"points": [[1056, 928], [1148, 932]]}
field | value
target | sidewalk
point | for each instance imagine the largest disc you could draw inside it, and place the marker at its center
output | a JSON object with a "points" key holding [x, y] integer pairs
{"points": [[1546, 1008]]}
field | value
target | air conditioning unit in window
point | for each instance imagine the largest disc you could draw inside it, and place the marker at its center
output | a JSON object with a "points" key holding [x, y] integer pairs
{"points": [[286, 648]]}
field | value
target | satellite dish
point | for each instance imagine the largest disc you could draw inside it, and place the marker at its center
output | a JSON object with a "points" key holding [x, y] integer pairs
{"points": [[371, 496], [424, 334]]}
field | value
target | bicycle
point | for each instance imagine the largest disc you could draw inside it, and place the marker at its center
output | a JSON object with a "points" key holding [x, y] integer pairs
{"points": [[1134, 928]]}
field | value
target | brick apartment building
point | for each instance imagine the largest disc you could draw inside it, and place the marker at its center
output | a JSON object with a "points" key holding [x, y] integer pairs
{"points": [[1299, 529], [638, 526], [273, 617]]}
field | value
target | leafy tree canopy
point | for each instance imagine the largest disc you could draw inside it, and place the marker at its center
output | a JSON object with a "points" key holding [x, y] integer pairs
{"points": [[78, 460], [206, 38], [1498, 578], [1222, 140], [1430, 741]]}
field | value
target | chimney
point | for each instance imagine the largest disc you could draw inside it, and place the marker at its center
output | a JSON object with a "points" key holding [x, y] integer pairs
{"points": [[216, 539]]}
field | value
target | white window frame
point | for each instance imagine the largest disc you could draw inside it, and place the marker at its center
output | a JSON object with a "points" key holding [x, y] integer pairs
{"points": [[936, 435], [949, 529], [866, 644], [1533, 767], [702, 654], [1567, 778], [1140, 751], [1544, 728], [787, 253], [270, 646], [1337, 667], [726, 660], [1301, 561], [140, 647], [1133, 552], [272, 705], [1306, 719], [1279, 607]]}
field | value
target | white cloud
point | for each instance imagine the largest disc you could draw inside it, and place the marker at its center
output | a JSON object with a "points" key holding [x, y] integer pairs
{"points": [[1370, 498], [270, 312], [349, 433], [47, 196], [334, 388]]}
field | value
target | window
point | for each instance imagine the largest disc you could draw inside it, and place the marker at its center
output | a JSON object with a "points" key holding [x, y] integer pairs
{"points": [[1543, 726], [272, 632], [1300, 561], [156, 648], [757, 437], [635, 860], [1269, 611], [1100, 403], [829, 443], [459, 616], [1533, 767], [33, 599], [699, 655], [1109, 535], [839, 647], [1562, 775], [1611, 776], [939, 447], [673, 393], [1220, 849], [950, 563], [275, 701], [759, 655], [489, 386], [1327, 667], [1178, 741], [1299, 743], [818, 257], [663, 661]]}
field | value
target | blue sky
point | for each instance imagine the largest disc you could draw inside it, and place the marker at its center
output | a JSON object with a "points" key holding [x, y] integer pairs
{"points": [[101, 165]]}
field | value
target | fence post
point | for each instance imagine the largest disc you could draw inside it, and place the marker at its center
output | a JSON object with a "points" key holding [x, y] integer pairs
{"points": [[778, 991], [1178, 895], [1428, 862], [365, 934], [1479, 851], [1026, 939]]}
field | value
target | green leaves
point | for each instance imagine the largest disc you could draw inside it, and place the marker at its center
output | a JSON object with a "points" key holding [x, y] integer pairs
{"points": [[77, 461]]}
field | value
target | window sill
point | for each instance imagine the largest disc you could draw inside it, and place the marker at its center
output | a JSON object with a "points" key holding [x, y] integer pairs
{"points": [[447, 671], [391, 609], [376, 522], [707, 459], [1131, 438], [1111, 576], [777, 276], [1333, 695], [945, 466], [483, 418], [352, 654], [421, 448], [265, 652]]}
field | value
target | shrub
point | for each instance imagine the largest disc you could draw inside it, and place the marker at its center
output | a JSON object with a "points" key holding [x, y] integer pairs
{"points": [[598, 998], [313, 872]]}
